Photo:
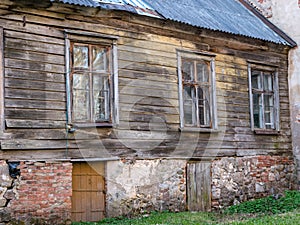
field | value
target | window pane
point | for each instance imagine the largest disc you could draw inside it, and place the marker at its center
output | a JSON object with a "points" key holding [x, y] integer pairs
{"points": [[80, 57], [188, 105], [101, 95], [187, 71], [81, 100], [269, 111], [202, 72], [257, 110], [268, 84], [81, 81], [81, 105], [204, 106], [100, 60], [256, 80]]}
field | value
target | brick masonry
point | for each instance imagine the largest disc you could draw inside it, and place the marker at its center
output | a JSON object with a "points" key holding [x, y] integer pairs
{"points": [[235, 180], [41, 195]]}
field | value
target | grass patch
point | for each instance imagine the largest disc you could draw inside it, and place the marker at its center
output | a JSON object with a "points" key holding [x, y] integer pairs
{"points": [[264, 211], [200, 218], [164, 218], [286, 203], [291, 218]]}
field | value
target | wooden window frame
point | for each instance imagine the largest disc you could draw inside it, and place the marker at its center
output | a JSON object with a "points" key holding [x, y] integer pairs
{"points": [[90, 38], [2, 121], [275, 92], [201, 56]]}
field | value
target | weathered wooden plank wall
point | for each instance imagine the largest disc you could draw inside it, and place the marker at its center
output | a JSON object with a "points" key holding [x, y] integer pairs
{"points": [[35, 95]]}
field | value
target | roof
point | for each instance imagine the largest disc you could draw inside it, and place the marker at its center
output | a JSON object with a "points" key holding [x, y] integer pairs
{"points": [[140, 7], [229, 16]]}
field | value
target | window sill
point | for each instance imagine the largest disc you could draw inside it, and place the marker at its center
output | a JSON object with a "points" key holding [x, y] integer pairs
{"points": [[266, 132], [91, 125], [198, 130]]}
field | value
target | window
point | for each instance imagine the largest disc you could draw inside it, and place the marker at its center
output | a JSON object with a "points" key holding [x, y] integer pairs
{"points": [[92, 83], [263, 98], [197, 91]]}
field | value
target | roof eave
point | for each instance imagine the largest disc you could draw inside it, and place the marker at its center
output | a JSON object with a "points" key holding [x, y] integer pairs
{"points": [[272, 26]]}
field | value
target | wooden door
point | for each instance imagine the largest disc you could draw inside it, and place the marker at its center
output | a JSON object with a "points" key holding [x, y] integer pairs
{"points": [[88, 198], [199, 186]]}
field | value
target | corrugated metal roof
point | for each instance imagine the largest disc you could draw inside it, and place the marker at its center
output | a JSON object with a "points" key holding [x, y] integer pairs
{"points": [[134, 6], [228, 16], [220, 15]]}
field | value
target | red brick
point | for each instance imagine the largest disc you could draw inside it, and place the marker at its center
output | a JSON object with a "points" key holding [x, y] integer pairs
{"points": [[38, 197]]}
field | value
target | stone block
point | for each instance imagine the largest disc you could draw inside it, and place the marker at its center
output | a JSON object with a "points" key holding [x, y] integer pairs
{"points": [[5, 179], [260, 187], [9, 195], [5, 215], [2, 202]]}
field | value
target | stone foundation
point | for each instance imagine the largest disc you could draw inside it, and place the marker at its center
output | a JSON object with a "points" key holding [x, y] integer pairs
{"points": [[40, 195], [235, 180], [141, 186]]}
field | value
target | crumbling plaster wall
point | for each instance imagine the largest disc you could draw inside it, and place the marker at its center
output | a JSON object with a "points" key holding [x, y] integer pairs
{"points": [[141, 186]]}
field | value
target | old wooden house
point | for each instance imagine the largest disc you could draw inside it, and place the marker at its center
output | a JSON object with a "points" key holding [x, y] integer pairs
{"points": [[118, 107]]}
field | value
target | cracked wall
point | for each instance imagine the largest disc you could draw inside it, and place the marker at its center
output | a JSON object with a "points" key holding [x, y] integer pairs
{"points": [[141, 186]]}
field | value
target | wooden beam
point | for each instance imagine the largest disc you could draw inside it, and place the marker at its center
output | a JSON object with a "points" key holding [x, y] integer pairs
{"points": [[50, 124]]}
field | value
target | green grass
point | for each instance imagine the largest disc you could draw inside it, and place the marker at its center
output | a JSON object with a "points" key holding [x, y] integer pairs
{"points": [[184, 218], [188, 218], [291, 218], [282, 211], [287, 203]]}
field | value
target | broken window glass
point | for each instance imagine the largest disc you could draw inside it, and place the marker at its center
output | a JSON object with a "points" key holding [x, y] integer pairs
{"points": [[196, 92], [91, 87]]}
